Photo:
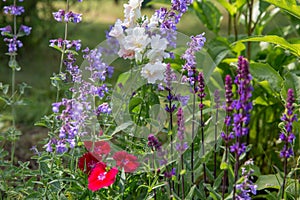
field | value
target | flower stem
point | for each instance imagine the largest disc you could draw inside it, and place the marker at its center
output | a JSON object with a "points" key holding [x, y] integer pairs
{"points": [[13, 83], [63, 50], [193, 135], [284, 178]]}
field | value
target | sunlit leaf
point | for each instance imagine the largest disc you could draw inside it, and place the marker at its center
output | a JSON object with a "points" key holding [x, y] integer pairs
{"points": [[274, 39], [289, 6]]}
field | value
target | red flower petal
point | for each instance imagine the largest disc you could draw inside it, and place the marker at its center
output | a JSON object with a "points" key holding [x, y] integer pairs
{"points": [[87, 162], [127, 161], [101, 178], [98, 148]]}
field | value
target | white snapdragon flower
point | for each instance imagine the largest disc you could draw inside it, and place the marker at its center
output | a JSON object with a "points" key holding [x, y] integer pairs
{"points": [[158, 47], [117, 30], [136, 40], [153, 72], [154, 22], [132, 11]]}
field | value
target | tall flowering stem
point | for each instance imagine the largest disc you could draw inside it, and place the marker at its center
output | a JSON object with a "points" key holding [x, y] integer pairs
{"points": [[241, 117], [181, 145], [11, 37], [201, 95], [226, 136], [196, 44], [63, 45], [287, 136], [217, 106]]}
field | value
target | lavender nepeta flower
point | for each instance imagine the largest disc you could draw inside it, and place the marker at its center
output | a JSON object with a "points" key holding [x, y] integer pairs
{"points": [[13, 44], [6, 30], [195, 45], [25, 29], [14, 10], [61, 15], [287, 136], [228, 94], [104, 108]]}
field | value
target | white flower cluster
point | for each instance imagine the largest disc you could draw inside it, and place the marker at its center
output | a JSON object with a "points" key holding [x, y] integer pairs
{"points": [[139, 39]]}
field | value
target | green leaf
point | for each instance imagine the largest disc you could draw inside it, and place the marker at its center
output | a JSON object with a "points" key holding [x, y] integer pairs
{"points": [[191, 193], [264, 72], [274, 39], [134, 102], [291, 81], [269, 181], [122, 127], [209, 14], [289, 6], [229, 7]]}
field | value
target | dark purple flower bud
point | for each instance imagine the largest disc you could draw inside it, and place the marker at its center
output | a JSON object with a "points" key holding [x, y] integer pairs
{"points": [[153, 142]]}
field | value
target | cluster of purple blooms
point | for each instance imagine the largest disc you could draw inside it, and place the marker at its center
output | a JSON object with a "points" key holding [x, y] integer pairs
{"points": [[287, 135], [246, 186], [11, 36], [196, 44], [241, 106], [62, 15], [170, 18]]}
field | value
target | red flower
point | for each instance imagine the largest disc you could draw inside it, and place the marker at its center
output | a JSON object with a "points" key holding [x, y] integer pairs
{"points": [[87, 162], [100, 148], [101, 178], [126, 161]]}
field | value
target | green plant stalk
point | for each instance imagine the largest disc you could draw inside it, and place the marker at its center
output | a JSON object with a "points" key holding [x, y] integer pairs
{"points": [[229, 22], [13, 83], [63, 50], [215, 148], [284, 178], [182, 177]]}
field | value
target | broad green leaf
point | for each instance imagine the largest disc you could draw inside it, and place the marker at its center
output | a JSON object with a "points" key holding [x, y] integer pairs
{"points": [[264, 72], [209, 14], [289, 6], [274, 39], [122, 127], [269, 181]]}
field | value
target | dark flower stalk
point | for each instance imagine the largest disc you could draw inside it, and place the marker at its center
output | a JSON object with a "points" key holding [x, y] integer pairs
{"points": [[226, 136], [217, 106], [170, 108], [287, 135], [11, 36], [241, 117], [181, 145], [201, 95]]}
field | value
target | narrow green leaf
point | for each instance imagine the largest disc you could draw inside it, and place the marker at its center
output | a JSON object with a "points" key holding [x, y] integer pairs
{"points": [[274, 39], [289, 6]]}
